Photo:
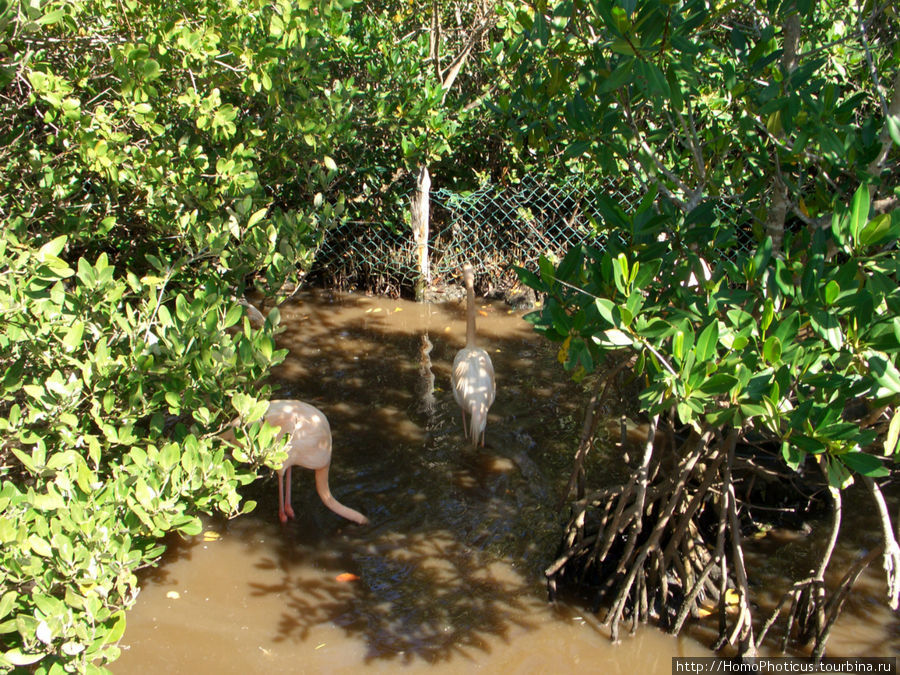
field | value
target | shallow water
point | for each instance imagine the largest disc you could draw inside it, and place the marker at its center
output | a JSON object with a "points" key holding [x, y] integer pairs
{"points": [[448, 575]]}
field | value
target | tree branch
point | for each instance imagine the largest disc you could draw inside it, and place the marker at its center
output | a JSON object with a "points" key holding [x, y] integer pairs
{"points": [[891, 561]]}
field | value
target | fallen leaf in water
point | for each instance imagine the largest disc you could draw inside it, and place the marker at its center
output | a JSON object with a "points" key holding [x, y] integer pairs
{"points": [[398, 309], [346, 576], [482, 313], [320, 646], [447, 329], [173, 595], [211, 535]]}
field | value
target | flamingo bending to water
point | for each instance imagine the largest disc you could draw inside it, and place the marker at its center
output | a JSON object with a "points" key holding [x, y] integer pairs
{"points": [[474, 387], [309, 447]]}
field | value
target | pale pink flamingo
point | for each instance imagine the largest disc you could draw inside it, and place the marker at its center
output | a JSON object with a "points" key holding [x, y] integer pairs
{"points": [[309, 447], [474, 387]]}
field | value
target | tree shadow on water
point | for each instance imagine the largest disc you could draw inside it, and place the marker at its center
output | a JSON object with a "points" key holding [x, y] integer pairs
{"points": [[421, 595], [451, 563]]}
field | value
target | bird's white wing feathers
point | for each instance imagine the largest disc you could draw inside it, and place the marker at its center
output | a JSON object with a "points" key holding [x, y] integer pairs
{"points": [[474, 387]]}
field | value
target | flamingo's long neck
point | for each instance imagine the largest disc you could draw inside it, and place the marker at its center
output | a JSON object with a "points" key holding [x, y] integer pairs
{"points": [[332, 503], [469, 276]]}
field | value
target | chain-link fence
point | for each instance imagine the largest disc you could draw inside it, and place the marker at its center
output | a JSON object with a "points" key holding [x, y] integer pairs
{"points": [[492, 227]]}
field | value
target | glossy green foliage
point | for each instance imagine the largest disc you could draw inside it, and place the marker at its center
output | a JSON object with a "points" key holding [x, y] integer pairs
{"points": [[696, 100], [698, 105], [795, 350], [200, 132]]}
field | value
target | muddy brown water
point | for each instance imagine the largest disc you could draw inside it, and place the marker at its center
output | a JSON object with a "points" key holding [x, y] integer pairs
{"points": [[448, 576]]}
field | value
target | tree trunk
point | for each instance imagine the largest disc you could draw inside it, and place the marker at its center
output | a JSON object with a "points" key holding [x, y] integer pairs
{"points": [[419, 213]]}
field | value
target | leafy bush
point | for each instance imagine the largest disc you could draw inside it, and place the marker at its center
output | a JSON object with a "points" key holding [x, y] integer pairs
{"points": [[784, 347], [110, 401], [754, 289]]}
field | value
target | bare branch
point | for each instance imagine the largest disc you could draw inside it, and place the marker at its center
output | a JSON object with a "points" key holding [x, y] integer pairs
{"points": [[891, 561], [434, 40], [478, 31]]}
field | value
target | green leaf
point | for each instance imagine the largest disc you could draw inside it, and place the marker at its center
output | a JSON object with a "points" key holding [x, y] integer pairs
{"points": [[235, 312], [685, 413], [623, 74], [620, 273], [865, 464], [256, 412], [768, 314], [707, 342], [772, 349], [676, 98], [256, 217], [613, 337], [718, 383], [859, 211], [73, 337], [7, 602], [40, 546], [173, 399], [17, 658], [878, 229], [885, 375], [191, 528], [51, 18], [793, 455], [118, 630], [54, 247], [893, 125], [606, 307], [838, 476], [893, 434], [150, 69], [827, 326]]}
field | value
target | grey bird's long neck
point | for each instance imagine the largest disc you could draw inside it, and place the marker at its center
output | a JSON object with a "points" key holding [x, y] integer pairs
{"points": [[470, 307]]}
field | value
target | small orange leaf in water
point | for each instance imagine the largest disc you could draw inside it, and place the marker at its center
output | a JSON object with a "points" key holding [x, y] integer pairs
{"points": [[483, 313], [346, 576]]}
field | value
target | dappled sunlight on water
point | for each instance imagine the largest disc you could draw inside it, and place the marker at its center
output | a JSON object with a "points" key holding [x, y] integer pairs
{"points": [[448, 575]]}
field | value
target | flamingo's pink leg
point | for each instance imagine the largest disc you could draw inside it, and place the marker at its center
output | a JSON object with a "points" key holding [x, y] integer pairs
{"points": [[288, 509]]}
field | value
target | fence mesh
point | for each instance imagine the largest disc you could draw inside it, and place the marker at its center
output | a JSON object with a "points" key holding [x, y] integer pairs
{"points": [[492, 227]]}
